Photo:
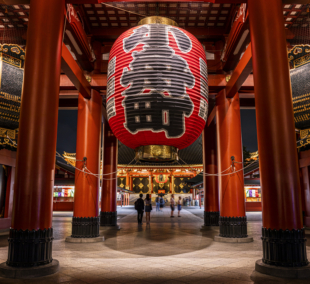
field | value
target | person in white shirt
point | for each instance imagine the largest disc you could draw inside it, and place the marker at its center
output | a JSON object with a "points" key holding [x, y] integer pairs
{"points": [[172, 205]]}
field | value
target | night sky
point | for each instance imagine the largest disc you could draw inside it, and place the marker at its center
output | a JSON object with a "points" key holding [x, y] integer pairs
{"points": [[67, 122]]}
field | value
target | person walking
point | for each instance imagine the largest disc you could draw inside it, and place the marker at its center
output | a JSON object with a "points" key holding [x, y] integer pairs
{"points": [[161, 203], [179, 206], [157, 203], [139, 206], [148, 209], [172, 205]]}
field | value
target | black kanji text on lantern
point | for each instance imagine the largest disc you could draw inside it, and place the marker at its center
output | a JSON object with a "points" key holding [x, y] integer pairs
{"points": [[156, 99]]}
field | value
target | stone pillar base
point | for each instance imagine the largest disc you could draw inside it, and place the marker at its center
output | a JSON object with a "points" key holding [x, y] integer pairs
{"points": [[84, 240], [28, 272], [283, 272], [30, 248], [117, 227], [108, 218], [233, 240], [85, 227], [233, 227], [211, 218], [209, 228], [284, 248]]}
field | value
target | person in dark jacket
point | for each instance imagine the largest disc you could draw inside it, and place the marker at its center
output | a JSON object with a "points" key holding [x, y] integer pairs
{"points": [[139, 206]]}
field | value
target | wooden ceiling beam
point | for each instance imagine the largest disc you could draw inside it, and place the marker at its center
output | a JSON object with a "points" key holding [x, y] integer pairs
{"points": [[98, 82], [240, 74], [75, 73], [21, 2], [203, 31], [217, 82]]}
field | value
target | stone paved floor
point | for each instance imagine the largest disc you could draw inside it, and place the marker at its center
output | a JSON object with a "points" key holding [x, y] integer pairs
{"points": [[170, 250]]}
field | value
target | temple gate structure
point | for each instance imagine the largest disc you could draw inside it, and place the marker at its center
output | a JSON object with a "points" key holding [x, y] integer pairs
{"points": [[75, 57]]}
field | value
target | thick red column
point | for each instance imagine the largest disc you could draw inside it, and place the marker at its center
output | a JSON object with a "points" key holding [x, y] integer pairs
{"points": [[232, 202], [151, 182], [108, 214], [131, 183], [86, 197], [210, 183], [127, 180], [35, 164], [276, 135], [305, 194], [97, 50]]}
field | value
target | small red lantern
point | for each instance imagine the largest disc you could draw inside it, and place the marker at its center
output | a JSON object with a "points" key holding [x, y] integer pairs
{"points": [[157, 91]]}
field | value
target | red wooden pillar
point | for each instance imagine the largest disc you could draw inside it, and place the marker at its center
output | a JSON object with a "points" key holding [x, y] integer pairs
{"points": [[276, 137], [127, 180], [98, 54], [151, 182], [86, 197], [210, 183], [131, 183], [9, 192], [305, 192], [35, 165], [108, 214], [232, 203]]}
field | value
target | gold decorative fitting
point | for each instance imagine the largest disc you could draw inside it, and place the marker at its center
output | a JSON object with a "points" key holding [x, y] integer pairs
{"points": [[10, 60], [12, 54], [297, 50], [15, 50], [299, 55], [7, 133], [88, 78], [158, 20], [156, 153]]}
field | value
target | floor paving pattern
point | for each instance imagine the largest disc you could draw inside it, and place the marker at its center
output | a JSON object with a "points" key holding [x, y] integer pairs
{"points": [[169, 250]]}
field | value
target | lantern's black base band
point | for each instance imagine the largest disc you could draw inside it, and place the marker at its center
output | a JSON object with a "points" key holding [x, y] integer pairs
{"points": [[30, 248], [211, 218], [85, 227], [233, 227], [284, 248], [108, 218]]}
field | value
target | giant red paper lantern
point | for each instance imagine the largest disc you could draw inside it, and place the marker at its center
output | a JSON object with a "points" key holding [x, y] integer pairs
{"points": [[157, 91]]}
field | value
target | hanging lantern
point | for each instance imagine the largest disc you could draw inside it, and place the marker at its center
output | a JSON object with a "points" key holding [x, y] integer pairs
{"points": [[157, 91]]}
